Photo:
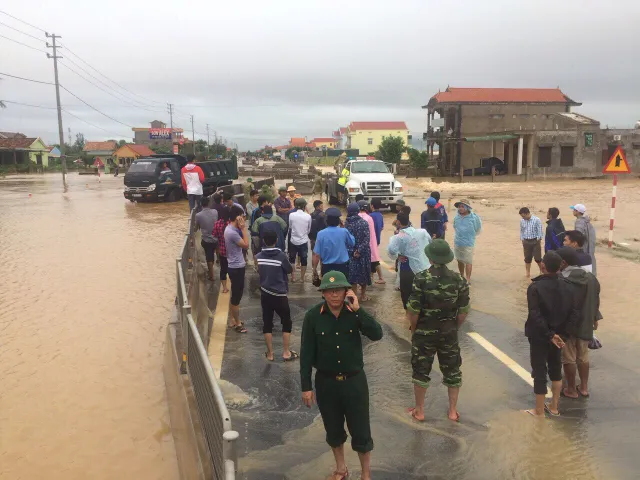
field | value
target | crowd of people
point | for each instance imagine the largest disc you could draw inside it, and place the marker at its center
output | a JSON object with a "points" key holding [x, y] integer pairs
{"points": [[563, 300]]}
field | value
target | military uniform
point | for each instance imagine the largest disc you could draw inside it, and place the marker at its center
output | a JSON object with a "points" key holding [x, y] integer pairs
{"points": [[438, 296], [334, 347]]}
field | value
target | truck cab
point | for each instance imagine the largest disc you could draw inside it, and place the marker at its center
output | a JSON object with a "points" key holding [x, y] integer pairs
{"points": [[373, 179]]}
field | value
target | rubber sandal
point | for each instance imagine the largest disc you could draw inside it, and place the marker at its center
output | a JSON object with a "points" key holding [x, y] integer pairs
{"points": [[339, 475], [266, 355], [240, 328], [380, 282], [548, 410], [294, 356], [562, 394], [580, 394], [457, 417]]}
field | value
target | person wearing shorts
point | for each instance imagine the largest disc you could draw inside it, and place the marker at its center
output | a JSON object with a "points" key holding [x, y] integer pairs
{"points": [[332, 246], [531, 237], [299, 229], [273, 268], [236, 242], [205, 221], [467, 226]]}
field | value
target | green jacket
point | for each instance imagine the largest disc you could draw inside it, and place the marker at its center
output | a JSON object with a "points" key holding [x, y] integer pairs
{"points": [[334, 345], [438, 294], [260, 220]]}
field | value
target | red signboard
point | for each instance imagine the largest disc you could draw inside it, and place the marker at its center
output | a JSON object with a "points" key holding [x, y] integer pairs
{"points": [[160, 133]]}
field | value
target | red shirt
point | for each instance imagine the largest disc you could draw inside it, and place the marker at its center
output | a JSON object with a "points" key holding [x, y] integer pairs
{"points": [[218, 232]]}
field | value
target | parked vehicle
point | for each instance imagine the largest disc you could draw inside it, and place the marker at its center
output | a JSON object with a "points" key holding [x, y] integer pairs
{"points": [[371, 178], [485, 167], [146, 181]]}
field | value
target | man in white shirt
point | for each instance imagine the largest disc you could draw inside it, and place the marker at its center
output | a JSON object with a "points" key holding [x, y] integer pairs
{"points": [[299, 226]]}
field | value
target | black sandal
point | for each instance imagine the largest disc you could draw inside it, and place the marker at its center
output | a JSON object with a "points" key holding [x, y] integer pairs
{"points": [[294, 356], [240, 328]]}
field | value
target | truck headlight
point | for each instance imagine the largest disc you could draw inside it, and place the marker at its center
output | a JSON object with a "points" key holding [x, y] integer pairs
{"points": [[126, 189], [398, 189], [151, 187], [354, 190]]}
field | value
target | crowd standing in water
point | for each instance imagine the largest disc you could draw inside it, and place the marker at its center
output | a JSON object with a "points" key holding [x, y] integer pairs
{"points": [[563, 301]]}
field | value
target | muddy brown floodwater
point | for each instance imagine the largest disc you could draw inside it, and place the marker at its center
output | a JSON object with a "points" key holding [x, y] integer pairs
{"points": [[86, 290]]}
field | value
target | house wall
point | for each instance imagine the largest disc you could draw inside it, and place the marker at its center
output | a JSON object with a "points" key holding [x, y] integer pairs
{"points": [[359, 139], [629, 141], [494, 118], [330, 145]]}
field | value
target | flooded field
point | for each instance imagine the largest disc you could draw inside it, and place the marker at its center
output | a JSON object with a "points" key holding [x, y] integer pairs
{"points": [[86, 292]]}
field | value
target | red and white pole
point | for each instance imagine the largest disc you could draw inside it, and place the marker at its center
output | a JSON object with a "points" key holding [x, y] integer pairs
{"points": [[612, 217]]}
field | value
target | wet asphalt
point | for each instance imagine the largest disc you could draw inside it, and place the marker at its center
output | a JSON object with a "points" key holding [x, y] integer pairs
{"points": [[282, 439]]}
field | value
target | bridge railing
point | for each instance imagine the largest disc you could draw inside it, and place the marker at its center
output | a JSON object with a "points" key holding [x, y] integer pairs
{"points": [[213, 414]]}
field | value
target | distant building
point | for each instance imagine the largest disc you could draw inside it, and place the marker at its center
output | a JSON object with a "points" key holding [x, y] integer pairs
{"points": [[12, 135], [104, 150], [326, 143], [54, 153], [367, 136], [340, 137], [532, 130], [23, 150], [127, 153], [158, 135], [297, 142]]}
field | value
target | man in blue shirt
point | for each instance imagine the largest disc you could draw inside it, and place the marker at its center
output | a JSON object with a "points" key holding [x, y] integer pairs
{"points": [[466, 225], [331, 245]]}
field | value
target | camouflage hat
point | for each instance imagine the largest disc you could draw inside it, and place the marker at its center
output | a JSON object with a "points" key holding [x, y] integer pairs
{"points": [[334, 279], [249, 180], [439, 252], [464, 201], [282, 188], [401, 202], [300, 202]]}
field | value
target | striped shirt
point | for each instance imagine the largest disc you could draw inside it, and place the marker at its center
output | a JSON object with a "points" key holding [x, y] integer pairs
{"points": [[531, 229]]}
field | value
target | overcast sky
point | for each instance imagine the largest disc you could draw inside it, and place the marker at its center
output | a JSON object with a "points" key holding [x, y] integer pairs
{"points": [[261, 72]]}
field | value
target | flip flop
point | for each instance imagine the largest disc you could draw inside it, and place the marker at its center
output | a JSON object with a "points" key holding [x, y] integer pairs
{"points": [[580, 393], [567, 396], [548, 410], [339, 475], [240, 328], [530, 413], [457, 417], [294, 356], [411, 411], [266, 355], [380, 282]]}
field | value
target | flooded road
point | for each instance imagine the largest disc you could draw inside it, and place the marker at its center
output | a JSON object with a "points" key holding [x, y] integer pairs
{"points": [[86, 292]]}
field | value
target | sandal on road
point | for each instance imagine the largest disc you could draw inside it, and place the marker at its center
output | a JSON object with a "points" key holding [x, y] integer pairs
{"points": [[585, 395], [339, 475], [294, 356], [547, 409], [240, 328], [380, 282], [266, 355]]}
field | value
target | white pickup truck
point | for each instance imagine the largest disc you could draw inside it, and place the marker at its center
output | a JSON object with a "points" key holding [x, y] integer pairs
{"points": [[371, 178]]}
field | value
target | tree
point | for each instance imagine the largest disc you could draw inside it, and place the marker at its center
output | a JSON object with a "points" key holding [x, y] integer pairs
{"points": [[121, 143], [78, 145], [418, 159], [391, 149], [160, 149]]}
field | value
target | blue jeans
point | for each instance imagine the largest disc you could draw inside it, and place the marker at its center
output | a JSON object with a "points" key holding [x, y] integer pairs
{"points": [[194, 201]]}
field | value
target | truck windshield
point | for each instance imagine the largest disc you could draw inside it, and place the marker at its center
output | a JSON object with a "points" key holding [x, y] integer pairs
{"points": [[143, 167], [369, 167]]}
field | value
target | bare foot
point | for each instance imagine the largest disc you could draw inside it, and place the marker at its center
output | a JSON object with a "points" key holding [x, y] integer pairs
{"points": [[569, 394], [225, 290], [415, 414], [453, 416], [582, 392]]}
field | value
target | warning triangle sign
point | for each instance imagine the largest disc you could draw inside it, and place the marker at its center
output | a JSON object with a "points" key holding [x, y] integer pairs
{"points": [[617, 163]]}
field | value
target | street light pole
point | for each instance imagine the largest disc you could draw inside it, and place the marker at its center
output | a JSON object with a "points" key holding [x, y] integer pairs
{"points": [[63, 160]]}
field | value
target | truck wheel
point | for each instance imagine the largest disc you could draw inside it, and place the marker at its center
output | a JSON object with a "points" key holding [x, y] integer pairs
{"points": [[394, 208], [173, 196]]}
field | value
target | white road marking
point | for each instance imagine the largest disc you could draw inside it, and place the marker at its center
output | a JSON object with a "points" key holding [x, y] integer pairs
{"points": [[504, 358], [219, 332]]}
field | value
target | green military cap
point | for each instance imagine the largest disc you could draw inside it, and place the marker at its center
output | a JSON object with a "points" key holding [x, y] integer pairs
{"points": [[282, 188], [401, 203], [334, 279], [249, 180], [300, 202], [439, 252]]}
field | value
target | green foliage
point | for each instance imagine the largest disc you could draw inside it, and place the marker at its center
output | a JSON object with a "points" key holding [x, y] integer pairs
{"points": [[121, 143], [79, 143], [290, 151], [218, 148], [391, 149], [161, 149], [418, 159]]}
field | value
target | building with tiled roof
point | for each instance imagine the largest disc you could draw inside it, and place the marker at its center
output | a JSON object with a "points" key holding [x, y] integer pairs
{"points": [[100, 148], [323, 143], [129, 152], [297, 142], [367, 136], [23, 150]]}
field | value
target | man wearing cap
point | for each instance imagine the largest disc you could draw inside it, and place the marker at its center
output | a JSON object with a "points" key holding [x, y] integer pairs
{"points": [[583, 225], [283, 205], [299, 226], [332, 245], [331, 342], [431, 219], [442, 211], [438, 305], [293, 194], [466, 225]]}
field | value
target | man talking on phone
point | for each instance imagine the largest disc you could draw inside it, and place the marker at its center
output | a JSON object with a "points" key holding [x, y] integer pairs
{"points": [[331, 343]]}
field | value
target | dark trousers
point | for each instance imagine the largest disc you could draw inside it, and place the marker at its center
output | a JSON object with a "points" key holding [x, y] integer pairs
{"points": [[275, 304], [545, 357], [406, 285], [345, 400], [338, 267], [194, 201], [224, 267], [236, 275]]}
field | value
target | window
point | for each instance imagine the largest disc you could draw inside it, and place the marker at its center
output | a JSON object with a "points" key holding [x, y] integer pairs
{"points": [[513, 116], [370, 141], [535, 116], [544, 157], [369, 167], [566, 156], [496, 116], [524, 115], [588, 139]]}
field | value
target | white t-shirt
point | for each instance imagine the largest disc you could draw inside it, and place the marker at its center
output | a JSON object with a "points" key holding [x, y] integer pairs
{"points": [[300, 225]]}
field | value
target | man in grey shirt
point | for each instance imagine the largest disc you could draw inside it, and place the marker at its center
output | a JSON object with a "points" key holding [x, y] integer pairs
{"points": [[205, 220]]}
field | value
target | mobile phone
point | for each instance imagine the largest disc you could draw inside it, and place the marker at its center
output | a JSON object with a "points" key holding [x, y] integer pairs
{"points": [[350, 299]]}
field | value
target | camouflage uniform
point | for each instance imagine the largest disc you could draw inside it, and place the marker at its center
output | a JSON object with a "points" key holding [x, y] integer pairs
{"points": [[438, 296]]}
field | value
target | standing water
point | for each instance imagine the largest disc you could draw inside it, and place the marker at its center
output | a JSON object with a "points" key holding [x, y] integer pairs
{"points": [[87, 286]]}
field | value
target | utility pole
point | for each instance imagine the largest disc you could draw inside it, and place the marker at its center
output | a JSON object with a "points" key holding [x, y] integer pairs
{"points": [[208, 144], [63, 160], [193, 135]]}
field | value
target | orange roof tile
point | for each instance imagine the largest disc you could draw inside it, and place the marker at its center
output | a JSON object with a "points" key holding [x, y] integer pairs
{"points": [[297, 142], [377, 126], [324, 140], [141, 150], [16, 143], [108, 146], [501, 95]]}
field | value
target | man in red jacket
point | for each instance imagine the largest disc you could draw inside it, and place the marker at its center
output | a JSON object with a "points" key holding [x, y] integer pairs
{"points": [[192, 177]]}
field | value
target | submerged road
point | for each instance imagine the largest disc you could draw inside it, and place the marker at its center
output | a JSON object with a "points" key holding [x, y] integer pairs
{"points": [[594, 438]]}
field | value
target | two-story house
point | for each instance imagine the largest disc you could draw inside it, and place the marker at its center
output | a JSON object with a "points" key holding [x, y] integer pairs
{"points": [[367, 136]]}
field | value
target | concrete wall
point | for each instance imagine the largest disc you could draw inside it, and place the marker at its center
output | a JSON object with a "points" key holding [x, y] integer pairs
{"points": [[630, 143], [360, 139], [481, 119]]}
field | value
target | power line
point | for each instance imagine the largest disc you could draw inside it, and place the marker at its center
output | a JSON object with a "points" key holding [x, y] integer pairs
{"points": [[27, 79], [94, 108], [23, 44], [95, 126], [105, 91], [20, 31], [22, 21], [29, 105], [111, 80]]}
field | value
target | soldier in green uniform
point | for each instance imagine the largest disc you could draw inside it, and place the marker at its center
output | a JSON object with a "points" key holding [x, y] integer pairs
{"points": [[438, 305], [331, 343]]}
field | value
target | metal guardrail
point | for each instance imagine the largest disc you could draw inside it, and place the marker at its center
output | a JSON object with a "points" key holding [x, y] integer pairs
{"points": [[215, 420]]}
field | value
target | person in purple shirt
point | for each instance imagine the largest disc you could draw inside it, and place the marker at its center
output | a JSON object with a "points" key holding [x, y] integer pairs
{"points": [[236, 242], [378, 225]]}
